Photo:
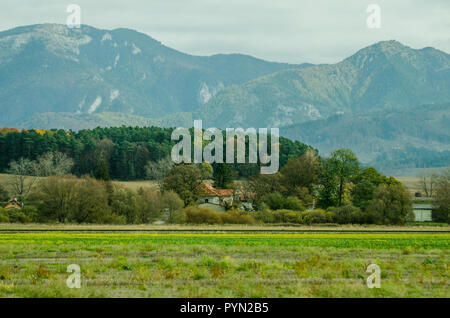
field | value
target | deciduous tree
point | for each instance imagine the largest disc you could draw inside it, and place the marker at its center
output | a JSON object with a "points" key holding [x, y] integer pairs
{"points": [[184, 179], [23, 176], [301, 171], [391, 205], [344, 165]]}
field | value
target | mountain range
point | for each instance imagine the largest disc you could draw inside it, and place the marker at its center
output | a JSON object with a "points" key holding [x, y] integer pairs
{"points": [[383, 99], [52, 69]]}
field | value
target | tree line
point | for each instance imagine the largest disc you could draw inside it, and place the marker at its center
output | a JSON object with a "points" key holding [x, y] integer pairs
{"points": [[121, 153], [308, 188]]}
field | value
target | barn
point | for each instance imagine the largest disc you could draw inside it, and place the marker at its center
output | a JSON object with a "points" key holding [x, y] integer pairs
{"points": [[14, 204]]}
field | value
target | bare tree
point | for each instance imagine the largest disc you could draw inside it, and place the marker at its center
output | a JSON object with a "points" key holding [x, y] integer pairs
{"points": [[54, 164], [158, 170], [443, 178], [25, 172], [428, 182], [23, 176]]}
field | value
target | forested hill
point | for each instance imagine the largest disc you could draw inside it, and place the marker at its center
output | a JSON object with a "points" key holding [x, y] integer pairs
{"points": [[126, 150]]}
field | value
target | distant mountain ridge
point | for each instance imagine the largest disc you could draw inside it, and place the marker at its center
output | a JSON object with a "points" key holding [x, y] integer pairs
{"points": [[50, 68], [385, 101], [375, 135], [386, 76]]}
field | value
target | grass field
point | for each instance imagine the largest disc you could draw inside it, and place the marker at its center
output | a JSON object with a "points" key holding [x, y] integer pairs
{"points": [[133, 185], [224, 265], [411, 183]]}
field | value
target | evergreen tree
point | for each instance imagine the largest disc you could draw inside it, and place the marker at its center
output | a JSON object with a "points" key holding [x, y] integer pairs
{"points": [[102, 171], [222, 175]]}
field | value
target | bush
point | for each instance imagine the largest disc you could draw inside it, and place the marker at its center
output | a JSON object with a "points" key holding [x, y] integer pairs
{"points": [[17, 216], [4, 218], [276, 201], [178, 217], [264, 216], [114, 219], [24, 215], [293, 203], [347, 214], [316, 216], [237, 217], [31, 212], [202, 215], [277, 216], [287, 216]]}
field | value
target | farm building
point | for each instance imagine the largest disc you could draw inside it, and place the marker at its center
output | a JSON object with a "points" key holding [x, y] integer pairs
{"points": [[423, 209], [13, 204], [216, 199], [245, 199]]}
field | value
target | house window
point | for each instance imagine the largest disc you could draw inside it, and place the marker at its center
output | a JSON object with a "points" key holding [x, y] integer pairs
{"points": [[206, 200]]}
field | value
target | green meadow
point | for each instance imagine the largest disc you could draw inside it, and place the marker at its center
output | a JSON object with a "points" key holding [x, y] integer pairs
{"points": [[224, 265]]}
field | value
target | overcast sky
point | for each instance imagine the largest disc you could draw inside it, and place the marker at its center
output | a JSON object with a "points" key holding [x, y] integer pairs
{"points": [[294, 31]]}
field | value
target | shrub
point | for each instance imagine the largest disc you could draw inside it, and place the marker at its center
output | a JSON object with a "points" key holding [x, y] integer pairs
{"points": [[178, 217], [202, 215], [316, 216], [276, 201], [264, 216], [236, 217], [293, 203], [347, 214], [287, 216], [4, 218], [304, 195], [31, 212], [17, 216], [114, 219]]}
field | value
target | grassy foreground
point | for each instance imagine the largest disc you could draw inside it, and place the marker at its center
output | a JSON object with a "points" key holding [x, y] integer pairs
{"points": [[224, 265], [415, 226]]}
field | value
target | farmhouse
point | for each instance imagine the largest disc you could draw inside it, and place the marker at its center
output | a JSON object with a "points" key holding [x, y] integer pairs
{"points": [[216, 199], [13, 204]]}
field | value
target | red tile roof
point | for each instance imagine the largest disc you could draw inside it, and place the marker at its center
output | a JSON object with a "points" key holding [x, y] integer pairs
{"points": [[209, 191]]}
